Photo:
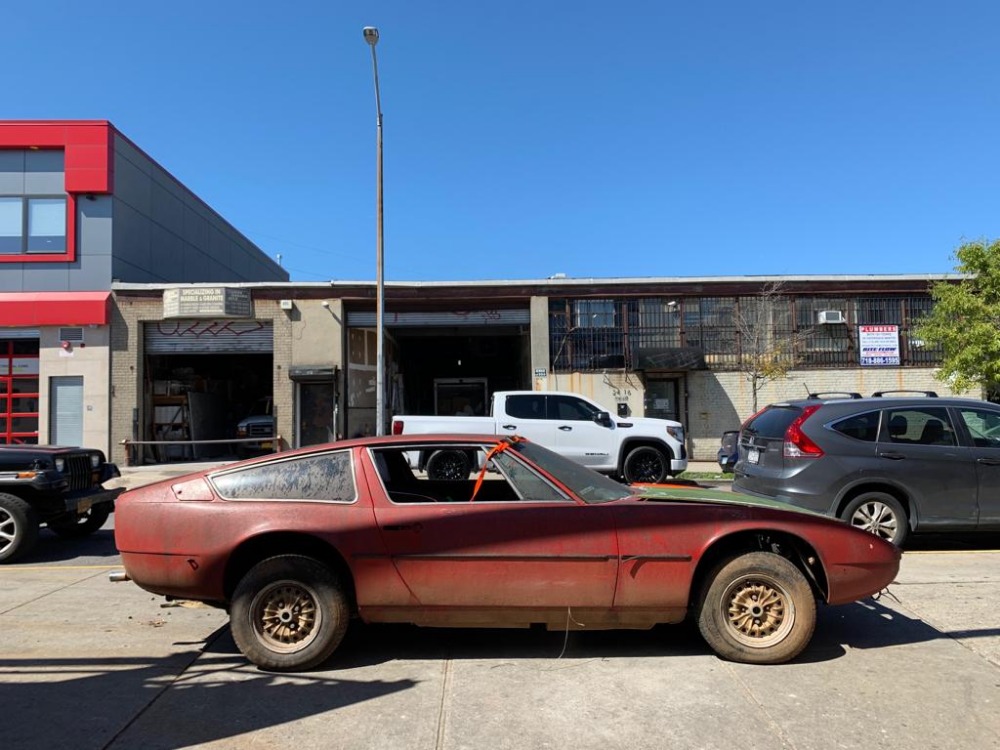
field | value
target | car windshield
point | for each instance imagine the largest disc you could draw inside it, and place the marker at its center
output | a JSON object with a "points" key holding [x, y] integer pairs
{"points": [[586, 483]]}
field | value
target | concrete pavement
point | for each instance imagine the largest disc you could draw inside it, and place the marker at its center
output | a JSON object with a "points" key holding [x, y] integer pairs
{"points": [[87, 664]]}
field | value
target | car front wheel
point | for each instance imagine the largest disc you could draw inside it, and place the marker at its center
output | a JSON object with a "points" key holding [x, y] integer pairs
{"points": [[879, 513], [289, 613], [758, 609], [646, 465], [18, 527]]}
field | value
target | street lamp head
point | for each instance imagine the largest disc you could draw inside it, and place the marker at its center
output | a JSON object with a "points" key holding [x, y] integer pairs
{"points": [[371, 35]]}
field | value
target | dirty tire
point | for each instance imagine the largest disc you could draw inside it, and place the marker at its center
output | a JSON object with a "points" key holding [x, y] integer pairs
{"points": [[448, 465], [80, 526], [18, 527], [758, 609], [289, 613], [646, 465], [880, 514]]}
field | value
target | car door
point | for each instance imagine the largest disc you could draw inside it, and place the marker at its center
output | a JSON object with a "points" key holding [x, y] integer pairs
{"points": [[535, 548], [577, 435], [983, 427], [526, 415], [918, 449]]}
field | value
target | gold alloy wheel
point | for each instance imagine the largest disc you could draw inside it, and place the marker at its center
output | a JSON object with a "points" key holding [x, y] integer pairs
{"points": [[285, 616], [758, 611]]}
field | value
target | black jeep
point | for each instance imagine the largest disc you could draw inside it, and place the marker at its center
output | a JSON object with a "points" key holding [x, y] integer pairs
{"points": [[60, 487]]}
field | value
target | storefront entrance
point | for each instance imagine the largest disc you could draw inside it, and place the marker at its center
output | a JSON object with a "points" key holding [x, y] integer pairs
{"points": [[19, 391]]}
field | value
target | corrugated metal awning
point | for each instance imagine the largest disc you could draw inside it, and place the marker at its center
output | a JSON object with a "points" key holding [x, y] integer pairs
{"points": [[209, 337], [365, 319]]}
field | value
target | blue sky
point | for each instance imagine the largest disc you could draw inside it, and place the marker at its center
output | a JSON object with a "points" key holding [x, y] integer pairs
{"points": [[525, 138]]}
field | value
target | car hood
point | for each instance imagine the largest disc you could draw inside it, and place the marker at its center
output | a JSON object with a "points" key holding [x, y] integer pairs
{"points": [[680, 493]]}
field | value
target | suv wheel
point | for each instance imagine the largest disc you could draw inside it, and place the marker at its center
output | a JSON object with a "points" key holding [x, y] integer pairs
{"points": [[18, 527], [879, 513]]}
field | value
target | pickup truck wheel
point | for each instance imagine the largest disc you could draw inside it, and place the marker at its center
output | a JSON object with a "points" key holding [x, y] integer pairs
{"points": [[289, 613], [646, 465], [448, 465], [74, 527], [18, 527]]}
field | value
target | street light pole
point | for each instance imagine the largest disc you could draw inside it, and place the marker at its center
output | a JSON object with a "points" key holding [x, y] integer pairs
{"points": [[371, 37]]}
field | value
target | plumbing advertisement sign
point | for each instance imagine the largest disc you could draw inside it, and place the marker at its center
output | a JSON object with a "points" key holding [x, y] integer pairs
{"points": [[878, 345]]}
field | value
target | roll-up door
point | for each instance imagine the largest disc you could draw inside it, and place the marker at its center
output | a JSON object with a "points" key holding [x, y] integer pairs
{"points": [[209, 337]]}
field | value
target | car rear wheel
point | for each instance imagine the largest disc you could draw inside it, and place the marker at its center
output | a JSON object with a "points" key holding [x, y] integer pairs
{"points": [[758, 609], [879, 513], [646, 465], [75, 527], [448, 465], [289, 613], [18, 527]]}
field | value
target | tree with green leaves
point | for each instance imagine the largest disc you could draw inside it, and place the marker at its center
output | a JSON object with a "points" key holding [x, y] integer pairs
{"points": [[965, 320]]}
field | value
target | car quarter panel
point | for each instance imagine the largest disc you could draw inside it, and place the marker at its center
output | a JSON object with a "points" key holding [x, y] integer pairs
{"points": [[183, 548]]}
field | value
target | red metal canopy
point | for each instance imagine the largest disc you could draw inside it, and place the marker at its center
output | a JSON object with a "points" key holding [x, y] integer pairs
{"points": [[54, 309]]}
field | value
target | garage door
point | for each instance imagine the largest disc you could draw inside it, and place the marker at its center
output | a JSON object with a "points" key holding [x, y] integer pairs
{"points": [[209, 337]]}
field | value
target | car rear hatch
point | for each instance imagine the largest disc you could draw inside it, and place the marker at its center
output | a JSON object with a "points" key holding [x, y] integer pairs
{"points": [[761, 452]]}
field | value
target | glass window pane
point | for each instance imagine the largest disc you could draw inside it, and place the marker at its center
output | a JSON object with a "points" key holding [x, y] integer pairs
{"points": [[46, 225], [326, 477], [11, 225], [24, 385]]}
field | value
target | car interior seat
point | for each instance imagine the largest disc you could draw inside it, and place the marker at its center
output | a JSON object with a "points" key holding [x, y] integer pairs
{"points": [[934, 434], [897, 428]]}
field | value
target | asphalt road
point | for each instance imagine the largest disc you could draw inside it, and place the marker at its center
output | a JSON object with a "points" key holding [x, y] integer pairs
{"points": [[85, 663]]}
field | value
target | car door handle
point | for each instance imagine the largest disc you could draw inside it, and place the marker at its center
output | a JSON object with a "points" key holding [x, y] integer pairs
{"points": [[565, 427], [509, 426], [892, 456], [988, 461], [403, 527]]}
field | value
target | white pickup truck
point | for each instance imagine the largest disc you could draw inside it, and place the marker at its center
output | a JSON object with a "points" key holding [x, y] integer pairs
{"points": [[635, 450]]}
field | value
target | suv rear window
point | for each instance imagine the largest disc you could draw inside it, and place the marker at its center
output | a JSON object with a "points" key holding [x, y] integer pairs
{"points": [[773, 421], [859, 426]]}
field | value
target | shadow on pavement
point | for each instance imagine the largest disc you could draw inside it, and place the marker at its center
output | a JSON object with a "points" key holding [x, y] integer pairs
{"points": [[93, 702]]}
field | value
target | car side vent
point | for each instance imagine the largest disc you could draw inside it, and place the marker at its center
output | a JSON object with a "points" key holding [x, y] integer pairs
{"points": [[825, 317]]}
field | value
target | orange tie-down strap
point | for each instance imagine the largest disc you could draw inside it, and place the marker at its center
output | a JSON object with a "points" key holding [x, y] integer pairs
{"points": [[498, 448]]}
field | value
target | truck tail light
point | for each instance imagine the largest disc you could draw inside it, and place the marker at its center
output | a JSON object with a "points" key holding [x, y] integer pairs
{"points": [[797, 443], [397, 427]]}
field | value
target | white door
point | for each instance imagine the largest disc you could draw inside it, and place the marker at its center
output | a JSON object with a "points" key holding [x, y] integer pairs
{"points": [[66, 410]]}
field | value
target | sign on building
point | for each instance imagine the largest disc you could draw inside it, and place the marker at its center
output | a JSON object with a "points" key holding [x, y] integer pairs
{"points": [[206, 302], [878, 345]]}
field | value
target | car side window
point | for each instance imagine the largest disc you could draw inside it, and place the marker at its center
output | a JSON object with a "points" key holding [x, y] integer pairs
{"points": [[859, 426], [983, 426], [529, 406], [571, 409], [328, 477], [919, 426]]}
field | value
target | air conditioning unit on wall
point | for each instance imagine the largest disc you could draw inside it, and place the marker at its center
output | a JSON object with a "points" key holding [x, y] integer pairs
{"points": [[824, 317]]}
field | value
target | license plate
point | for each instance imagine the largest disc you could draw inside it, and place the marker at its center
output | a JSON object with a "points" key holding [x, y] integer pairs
{"points": [[266, 445], [753, 456]]}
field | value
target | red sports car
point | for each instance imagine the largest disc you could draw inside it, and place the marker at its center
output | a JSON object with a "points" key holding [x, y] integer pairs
{"points": [[295, 544]]}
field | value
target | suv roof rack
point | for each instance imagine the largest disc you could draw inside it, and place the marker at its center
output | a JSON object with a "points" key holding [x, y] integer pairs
{"points": [[832, 394], [882, 394]]}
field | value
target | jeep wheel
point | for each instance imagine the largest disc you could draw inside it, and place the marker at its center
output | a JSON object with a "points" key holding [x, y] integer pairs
{"points": [[879, 513], [75, 527], [646, 465], [18, 527]]}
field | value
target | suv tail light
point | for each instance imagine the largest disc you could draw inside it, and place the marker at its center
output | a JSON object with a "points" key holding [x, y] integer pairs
{"points": [[797, 443]]}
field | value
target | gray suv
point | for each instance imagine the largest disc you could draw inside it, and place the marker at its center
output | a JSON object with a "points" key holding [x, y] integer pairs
{"points": [[888, 464]]}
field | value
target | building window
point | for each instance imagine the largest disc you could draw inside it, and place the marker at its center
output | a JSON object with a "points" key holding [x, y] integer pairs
{"points": [[32, 224]]}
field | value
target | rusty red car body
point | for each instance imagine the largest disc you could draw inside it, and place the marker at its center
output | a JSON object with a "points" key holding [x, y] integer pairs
{"points": [[295, 544]]}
